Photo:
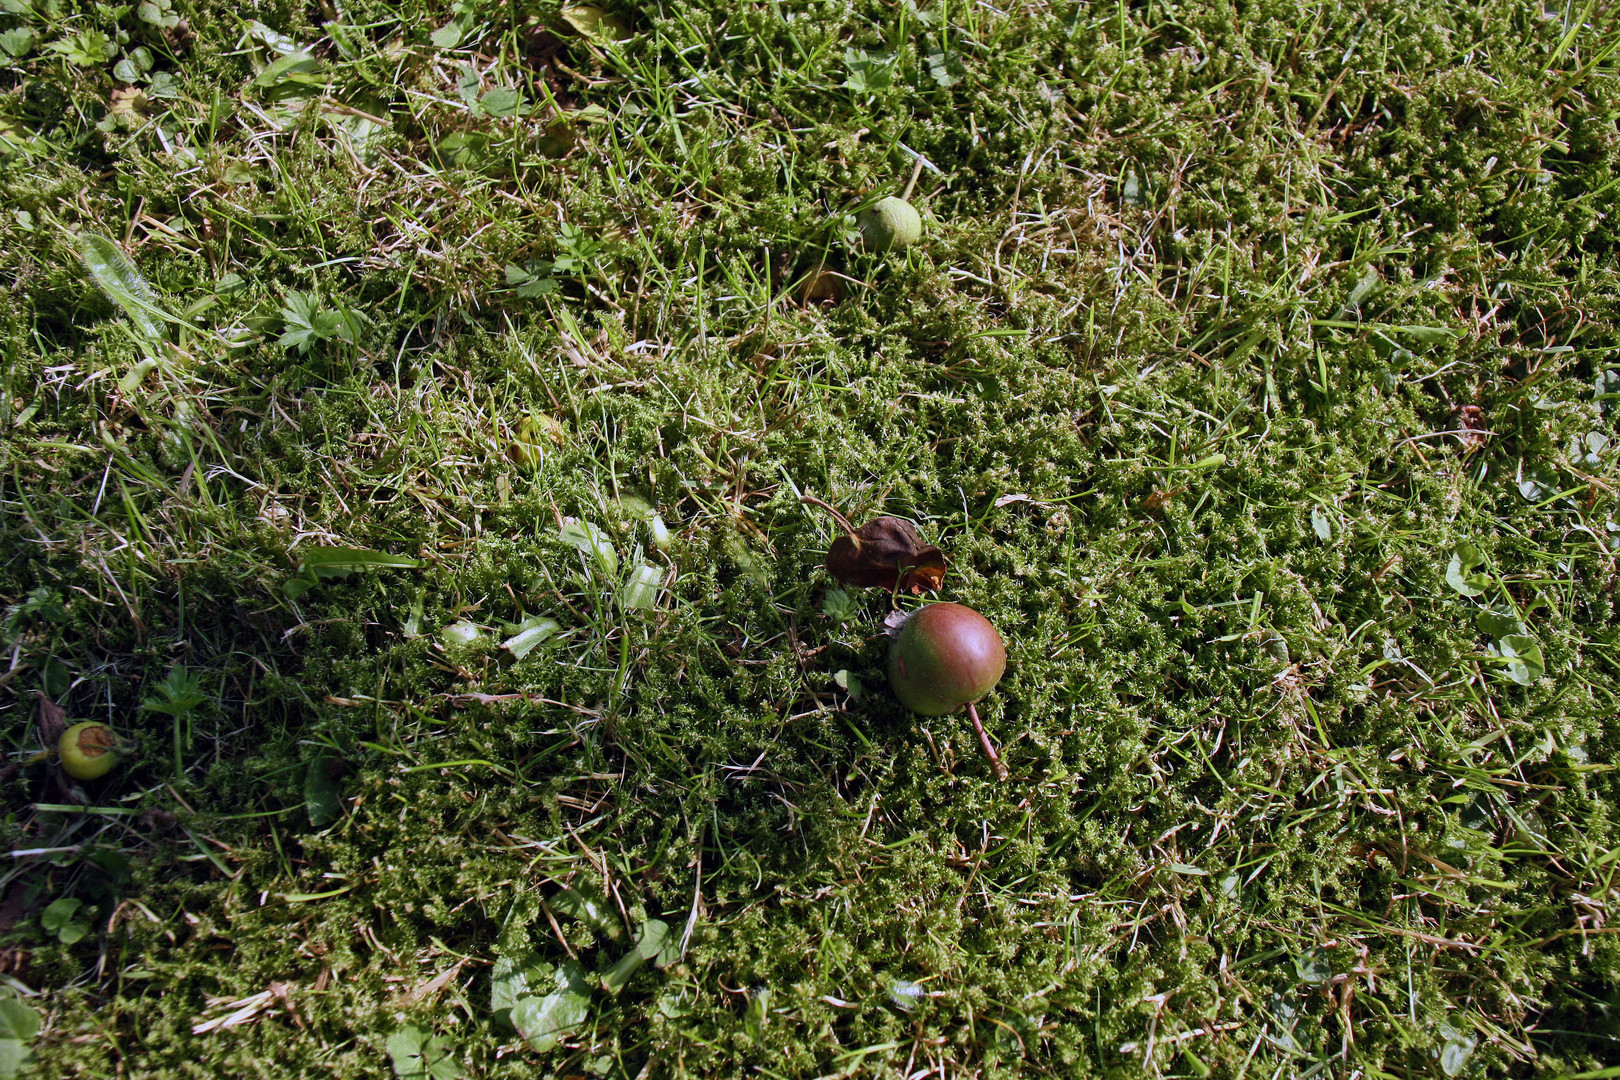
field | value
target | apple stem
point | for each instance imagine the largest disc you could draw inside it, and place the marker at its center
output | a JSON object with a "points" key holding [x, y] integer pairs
{"points": [[984, 741]]}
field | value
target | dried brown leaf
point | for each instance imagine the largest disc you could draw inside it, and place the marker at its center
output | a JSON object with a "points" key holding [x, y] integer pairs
{"points": [[51, 720], [887, 553]]}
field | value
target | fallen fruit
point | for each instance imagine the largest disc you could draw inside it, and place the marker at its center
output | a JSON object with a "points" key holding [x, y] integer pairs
{"points": [[90, 750], [891, 225], [527, 445], [944, 657]]}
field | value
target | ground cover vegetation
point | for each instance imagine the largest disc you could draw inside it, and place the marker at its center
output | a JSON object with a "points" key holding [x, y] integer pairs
{"points": [[407, 413]]}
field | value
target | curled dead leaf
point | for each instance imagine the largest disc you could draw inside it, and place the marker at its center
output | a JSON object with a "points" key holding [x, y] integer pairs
{"points": [[886, 553], [51, 720], [1472, 429]]}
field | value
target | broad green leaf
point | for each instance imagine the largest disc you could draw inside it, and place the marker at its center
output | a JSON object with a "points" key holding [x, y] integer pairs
{"points": [[848, 682], [585, 537], [117, 277], [294, 67], [614, 979], [418, 1056], [759, 1011], [658, 532], [543, 1021], [91, 48], [1459, 573], [333, 561], [1365, 286], [946, 68], [514, 978], [651, 946], [1321, 524], [839, 606], [321, 799], [462, 633], [274, 39], [867, 73], [447, 36], [13, 1056], [540, 286], [159, 13], [307, 322], [405, 1050], [136, 64], [590, 909], [1276, 646], [1456, 1050], [1312, 968], [501, 101], [363, 135], [530, 632], [1525, 663], [1498, 622], [672, 1003], [60, 913], [17, 1020], [669, 943], [468, 84], [412, 627], [593, 22], [178, 694], [299, 584], [17, 42], [640, 593]]}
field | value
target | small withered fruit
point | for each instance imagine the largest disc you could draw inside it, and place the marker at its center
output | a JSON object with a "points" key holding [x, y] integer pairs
{"points": [[90, 750]]}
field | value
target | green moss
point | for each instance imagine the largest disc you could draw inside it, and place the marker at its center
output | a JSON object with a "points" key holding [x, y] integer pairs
{"points": [[1182, 382]]}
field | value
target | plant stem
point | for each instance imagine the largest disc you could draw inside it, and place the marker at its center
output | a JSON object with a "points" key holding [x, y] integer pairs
{"points": [[840, 518], [984, 741], [905, 196]]}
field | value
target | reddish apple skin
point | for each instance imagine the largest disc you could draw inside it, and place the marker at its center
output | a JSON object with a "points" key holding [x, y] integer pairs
{"points": [[945, 656]]}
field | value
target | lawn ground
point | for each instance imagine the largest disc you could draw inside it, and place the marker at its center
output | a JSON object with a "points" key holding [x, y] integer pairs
{"points": [[408, 411]]}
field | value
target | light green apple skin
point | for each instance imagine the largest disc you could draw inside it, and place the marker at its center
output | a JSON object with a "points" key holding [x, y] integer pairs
{"points": [[891, 225]]}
